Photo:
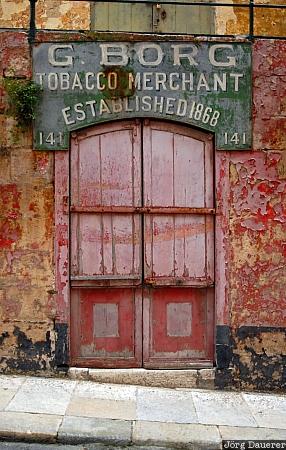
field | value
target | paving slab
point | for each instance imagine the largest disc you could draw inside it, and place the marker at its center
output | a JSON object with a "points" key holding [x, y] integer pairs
{"points": [[268, 410], [102, 408], [26, 426], [6, 396], [180, 435], [11, 381], [164, 405], [82, 429], [89, 389], [9, 385], [222, 408], [251, 433], [39, 395]]}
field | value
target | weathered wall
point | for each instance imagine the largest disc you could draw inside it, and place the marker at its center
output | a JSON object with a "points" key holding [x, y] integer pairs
{"points": [[267, 22], [52, 14], [26, 231], [81, 15], [251, 340]]}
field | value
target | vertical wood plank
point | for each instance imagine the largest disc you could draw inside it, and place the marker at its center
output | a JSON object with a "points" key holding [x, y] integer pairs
{"points": [[125, 242], [122, 17], [210, 250], [189, 176], [159, 169], [141, 17], [74, 164], [209, 175], [117, 169], [90, 251], [186, 19], [74, 245], [89, 172], [107, 243], [195, 250], [100, 19], [163, 246], [62, 235]]}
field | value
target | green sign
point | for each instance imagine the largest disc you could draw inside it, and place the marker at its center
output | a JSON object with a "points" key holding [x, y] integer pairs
{"points": [[203, 84]]}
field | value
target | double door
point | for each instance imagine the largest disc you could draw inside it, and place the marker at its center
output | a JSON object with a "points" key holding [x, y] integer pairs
{"points": [[142, 256]]}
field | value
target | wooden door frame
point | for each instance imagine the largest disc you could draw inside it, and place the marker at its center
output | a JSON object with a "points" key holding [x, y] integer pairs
{"points": [[62, 237]]}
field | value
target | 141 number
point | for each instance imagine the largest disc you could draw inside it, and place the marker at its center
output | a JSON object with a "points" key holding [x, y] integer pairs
{"points": [[235, 138], [51, 138]]}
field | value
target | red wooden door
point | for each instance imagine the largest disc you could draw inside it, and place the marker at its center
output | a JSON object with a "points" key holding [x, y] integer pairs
{"points": [[142, 238]]}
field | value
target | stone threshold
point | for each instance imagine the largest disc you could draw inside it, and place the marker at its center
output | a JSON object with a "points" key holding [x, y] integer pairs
{"points": [[180, 379]]}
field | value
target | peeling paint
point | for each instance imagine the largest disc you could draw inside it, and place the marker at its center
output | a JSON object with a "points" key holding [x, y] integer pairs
{"points": [[251, 237]]}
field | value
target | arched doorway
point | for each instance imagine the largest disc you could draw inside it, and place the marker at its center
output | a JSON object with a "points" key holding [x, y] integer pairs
{"points": [[142, 246]]}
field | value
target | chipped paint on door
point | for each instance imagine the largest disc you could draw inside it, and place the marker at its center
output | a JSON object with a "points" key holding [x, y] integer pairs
{"points": [[142, 233]]}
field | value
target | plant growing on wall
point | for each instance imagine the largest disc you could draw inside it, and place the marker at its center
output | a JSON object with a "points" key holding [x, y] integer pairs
{"points": [[24, 96]]}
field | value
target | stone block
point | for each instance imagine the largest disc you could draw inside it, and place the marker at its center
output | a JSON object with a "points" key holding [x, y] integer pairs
{"points": [[23, 426], [82, 429], [143, 377], [78, 373], [179, 435], [206, 378], [251, 433]]}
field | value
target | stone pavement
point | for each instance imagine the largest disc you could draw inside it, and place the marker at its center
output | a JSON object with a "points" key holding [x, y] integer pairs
{"points": [[77, 411]]}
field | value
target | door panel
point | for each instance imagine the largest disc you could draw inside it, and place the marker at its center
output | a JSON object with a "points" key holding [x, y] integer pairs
{"points": [[177, 167], [101, 337], [105, 190], [106, 166], [179, 250], [106, 245], [178, 327], [178, 175]]}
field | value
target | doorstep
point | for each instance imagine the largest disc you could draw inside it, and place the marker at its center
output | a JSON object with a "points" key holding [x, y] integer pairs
{"points": [[185, 378]]}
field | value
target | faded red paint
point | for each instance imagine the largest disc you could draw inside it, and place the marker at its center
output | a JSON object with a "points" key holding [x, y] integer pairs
{"points": [[62, 236], [257, 224], [269, 94], [107, 236], [15, 60], [42, 162], [250, 220], [10, 228]]}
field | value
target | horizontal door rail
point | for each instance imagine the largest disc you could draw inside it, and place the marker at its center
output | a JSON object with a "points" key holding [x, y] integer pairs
{"points": [[178, 282], [142, 209], [104, 277]]}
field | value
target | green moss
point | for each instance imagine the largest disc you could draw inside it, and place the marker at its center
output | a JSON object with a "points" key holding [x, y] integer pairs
{"points": [[24, 97]]}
